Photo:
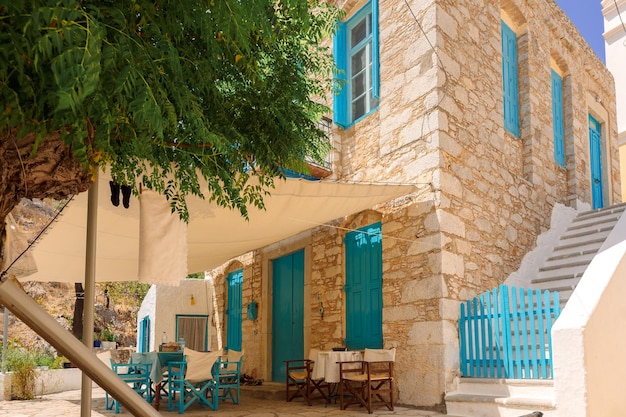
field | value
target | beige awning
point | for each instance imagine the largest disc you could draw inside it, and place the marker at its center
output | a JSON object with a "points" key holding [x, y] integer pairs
{"points": [[214, 234]]}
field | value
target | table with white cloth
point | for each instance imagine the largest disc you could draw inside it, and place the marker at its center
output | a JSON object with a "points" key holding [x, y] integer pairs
{"points": [[326, 366]]}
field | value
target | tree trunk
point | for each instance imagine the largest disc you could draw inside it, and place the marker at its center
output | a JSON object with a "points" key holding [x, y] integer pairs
{"points": [[50, 172]]}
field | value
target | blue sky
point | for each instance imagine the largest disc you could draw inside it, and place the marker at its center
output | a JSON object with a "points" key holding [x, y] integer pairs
{"points": [[587, 16]]}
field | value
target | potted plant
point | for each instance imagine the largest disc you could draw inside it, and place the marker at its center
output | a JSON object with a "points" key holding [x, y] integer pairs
{"points": [[96, 340], [108, 338]]}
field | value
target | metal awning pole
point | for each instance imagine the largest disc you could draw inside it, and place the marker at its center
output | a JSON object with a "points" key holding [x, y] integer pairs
{"points": [[90, 282]]}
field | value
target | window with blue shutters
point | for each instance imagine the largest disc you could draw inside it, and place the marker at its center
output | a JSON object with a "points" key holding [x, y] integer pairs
{"points": [[510, 80], [356, 51], [557, 117]]}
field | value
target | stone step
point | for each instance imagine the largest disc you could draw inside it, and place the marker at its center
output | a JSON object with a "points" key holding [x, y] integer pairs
{"points": [[493, 397], [490, 406], [274, 391]]}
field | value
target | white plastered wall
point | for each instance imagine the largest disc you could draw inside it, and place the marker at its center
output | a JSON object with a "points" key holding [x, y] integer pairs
{"points": [[589, 338]]}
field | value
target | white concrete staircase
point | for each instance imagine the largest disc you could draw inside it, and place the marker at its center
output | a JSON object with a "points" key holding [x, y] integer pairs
{"points": [[561, 271], [566, 264]]}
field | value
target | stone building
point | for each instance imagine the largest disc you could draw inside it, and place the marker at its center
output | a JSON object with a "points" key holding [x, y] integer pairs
{"points": [[495, 111]]}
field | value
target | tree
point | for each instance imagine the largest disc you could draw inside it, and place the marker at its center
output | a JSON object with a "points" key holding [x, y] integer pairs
{"points": [[160, 93]]}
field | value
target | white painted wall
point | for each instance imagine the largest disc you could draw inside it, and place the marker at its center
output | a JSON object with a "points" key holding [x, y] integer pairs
{"points": [[562, 217], [163, 303], [589, 338], [615, 47], [49, 381]]}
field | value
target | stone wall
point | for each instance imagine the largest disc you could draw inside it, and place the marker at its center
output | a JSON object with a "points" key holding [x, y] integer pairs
{"points": [[483, 195]]}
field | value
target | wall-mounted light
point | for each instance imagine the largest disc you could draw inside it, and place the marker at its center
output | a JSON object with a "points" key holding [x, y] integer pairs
{"points": [[192, 301]]}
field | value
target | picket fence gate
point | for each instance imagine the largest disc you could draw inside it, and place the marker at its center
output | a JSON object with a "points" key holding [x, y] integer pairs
{"points": [[505, 333]]}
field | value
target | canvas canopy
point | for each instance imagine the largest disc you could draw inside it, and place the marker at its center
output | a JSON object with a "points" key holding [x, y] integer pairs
{"points": [[213, 236]]}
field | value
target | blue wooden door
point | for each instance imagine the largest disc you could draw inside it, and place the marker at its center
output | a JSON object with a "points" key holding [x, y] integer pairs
{"points": [[234, 310], [364, 279], [287, 311], [595, 145], [144, 335]]}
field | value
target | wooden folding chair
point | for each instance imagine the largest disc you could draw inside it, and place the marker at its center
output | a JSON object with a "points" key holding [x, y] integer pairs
{"points": [[373, 378], [300, 383]]}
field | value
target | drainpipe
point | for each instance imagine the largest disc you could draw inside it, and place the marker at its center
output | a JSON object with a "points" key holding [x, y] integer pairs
{"points": [[26, 309]]}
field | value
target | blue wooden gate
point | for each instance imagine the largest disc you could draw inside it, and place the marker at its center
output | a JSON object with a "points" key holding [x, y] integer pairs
{"points": [[505, 333]]}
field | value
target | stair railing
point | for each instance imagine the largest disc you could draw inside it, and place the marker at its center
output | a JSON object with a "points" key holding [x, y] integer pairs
{"points": [[506, 333]]}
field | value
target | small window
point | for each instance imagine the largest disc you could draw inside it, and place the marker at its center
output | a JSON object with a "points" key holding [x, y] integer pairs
{"points": [[510, 81], [357, 59], [557, 117], [194, 329]]}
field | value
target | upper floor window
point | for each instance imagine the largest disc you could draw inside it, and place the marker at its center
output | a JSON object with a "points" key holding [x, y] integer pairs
{"points": [[509, 80], [557, 117], [356, 57]]}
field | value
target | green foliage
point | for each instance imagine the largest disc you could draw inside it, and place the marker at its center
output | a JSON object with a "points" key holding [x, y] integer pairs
{"points": [[129, 293], [23, 365], [107, 335], [167, 91]]}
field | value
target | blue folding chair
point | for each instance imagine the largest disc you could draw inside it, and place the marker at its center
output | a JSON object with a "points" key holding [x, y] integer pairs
{"points": [[137, 375], [228, 376], [192, 381]]}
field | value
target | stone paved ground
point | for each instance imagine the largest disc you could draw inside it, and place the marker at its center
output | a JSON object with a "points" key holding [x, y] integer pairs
{"points": [[67, 404]]}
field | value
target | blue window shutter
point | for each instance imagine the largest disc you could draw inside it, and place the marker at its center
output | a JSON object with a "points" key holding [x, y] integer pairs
{"points": [[340, 102], [509, 80], [557, 117], [375, 52]]}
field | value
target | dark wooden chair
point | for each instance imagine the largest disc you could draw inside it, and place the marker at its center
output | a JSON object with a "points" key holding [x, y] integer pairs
{"points": [[299, 381], [369, 380]]}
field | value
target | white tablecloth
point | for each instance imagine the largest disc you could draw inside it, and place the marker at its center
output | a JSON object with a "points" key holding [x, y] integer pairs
{"points": [[326, 366], [156, 374]]}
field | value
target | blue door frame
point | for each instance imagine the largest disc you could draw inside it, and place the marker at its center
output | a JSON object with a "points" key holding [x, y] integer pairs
{"points": [[595, 155], [287, 311]]}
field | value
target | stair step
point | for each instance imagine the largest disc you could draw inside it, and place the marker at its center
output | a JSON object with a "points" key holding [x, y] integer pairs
{"points": [[568, 262], [594, 223], [573, 254], [493, 397], [581, 243], [560, 282], [586, 233], [617, 208]]}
